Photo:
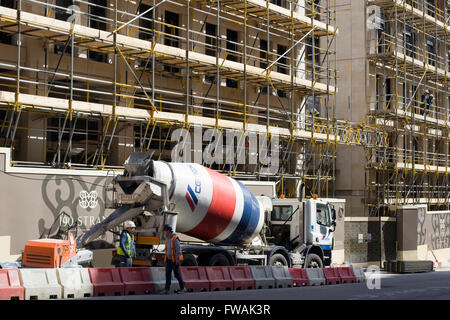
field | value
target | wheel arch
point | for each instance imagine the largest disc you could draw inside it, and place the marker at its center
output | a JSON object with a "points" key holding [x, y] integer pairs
{"points": [[314, 249], [280, 250]]}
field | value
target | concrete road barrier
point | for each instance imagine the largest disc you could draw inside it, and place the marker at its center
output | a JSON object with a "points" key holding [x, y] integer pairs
{"points": [[136, 280], [346, 275], [219, 278], [331, 275], [40, 284], [299, 277], [106, 282], [158, 275], [315, 276], [263, 277], [282, 277], [359, 274], [242, 278], [75, 283], [10, 288], [195, 279]]}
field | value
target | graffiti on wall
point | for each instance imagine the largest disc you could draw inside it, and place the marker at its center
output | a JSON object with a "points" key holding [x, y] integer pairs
{"points": [[84, 208], [433, 229], [422, 235], [440, 236]]}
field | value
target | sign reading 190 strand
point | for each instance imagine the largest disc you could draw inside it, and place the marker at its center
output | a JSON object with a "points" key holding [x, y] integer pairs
{"points": [[230, 147]]}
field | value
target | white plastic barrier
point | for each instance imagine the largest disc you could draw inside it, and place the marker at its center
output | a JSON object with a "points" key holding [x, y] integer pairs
{"points": [[159, 280], [40, 284], [359, 274], [75, 283], [282, 277], [315, 276], [263, 277]]}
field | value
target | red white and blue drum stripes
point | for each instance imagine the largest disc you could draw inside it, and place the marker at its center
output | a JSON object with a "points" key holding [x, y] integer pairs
{"points": [[210, 205]]}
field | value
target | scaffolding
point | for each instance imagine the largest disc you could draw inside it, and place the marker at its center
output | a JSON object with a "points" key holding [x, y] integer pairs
{"points": [[409, 52], [102, 78]]}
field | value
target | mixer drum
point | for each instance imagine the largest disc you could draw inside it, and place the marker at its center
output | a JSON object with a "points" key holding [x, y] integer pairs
{"points": [[211, 206]]}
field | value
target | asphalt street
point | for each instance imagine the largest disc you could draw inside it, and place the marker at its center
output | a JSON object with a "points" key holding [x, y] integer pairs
{"points": [[420, 286]]}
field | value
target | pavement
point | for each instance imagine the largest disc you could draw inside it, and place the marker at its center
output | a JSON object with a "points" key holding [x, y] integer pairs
{"points": [[417, 286]]}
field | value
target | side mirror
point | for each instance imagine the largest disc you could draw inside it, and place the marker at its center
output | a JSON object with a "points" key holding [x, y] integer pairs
{"points": [[333, 224], [333, 227], [333, 214]]}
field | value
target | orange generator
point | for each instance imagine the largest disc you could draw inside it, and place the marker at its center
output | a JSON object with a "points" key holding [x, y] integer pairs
{"points": [[48, 253]]}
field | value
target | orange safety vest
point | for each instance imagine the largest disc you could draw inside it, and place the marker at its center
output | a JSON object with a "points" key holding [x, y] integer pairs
{"points": [[173, 250]]}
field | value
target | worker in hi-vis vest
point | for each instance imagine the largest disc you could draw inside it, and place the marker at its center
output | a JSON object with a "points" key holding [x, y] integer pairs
{"points": [[126, 249], [172, 258]]}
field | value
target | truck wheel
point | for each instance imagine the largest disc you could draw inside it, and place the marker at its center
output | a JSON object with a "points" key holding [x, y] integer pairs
{"points": [[189, 260], [278, 260], [218, 259], [313, 261]]}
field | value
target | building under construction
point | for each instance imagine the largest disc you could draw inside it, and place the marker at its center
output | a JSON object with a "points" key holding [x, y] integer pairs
{"points": [[408, 52], [85, 83], [395, 77], [94, 80]]}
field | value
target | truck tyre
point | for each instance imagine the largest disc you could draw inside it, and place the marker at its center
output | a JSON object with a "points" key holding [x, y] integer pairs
{"points": [[189, 260], [278, 260], [219, 259], [313, 261]]}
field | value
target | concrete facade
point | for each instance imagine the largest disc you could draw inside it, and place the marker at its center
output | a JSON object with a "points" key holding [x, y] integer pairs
{"points": [[363, 243], [352, 64]]}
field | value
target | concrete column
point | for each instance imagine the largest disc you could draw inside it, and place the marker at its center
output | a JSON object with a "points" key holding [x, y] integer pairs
{"points": [[407, 233], [122, 145], [37, 139]]}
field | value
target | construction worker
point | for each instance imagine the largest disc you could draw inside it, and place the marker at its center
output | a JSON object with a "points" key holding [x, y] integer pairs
{"points": [[426, 101], [429, 103], [172, 259], [126, 250]]}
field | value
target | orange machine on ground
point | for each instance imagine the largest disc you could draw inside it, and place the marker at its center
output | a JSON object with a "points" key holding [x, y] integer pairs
{"points": [[48, 253]]}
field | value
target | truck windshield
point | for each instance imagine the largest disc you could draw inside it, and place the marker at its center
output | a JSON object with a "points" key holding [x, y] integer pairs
{"points": [[323, 215], [281, 213]]}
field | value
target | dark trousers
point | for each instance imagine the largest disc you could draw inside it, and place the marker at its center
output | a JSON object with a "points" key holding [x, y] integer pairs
{"points": [[125, 262], [169, 267]]}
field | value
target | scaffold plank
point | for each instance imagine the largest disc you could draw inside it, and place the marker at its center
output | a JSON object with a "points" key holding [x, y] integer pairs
{"points": [[279, 16], [132, 113], [408, 8], [143, 48]]}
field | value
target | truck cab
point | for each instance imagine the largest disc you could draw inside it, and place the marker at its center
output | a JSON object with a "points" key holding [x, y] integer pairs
{"points": [[304, 228]]}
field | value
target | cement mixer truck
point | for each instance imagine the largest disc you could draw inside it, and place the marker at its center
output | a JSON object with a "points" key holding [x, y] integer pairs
{"points": [[222, 222]]}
